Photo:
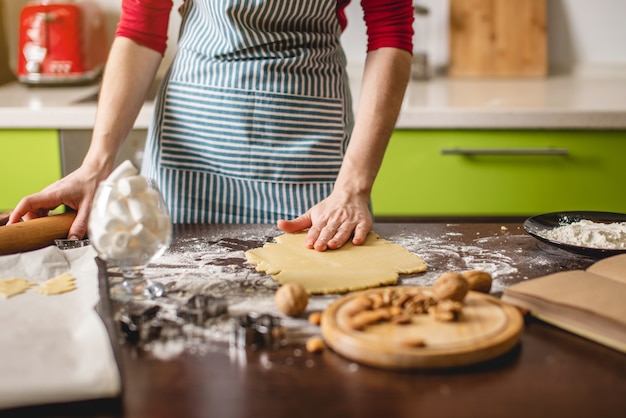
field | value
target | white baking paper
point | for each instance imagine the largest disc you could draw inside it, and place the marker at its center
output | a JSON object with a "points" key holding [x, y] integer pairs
{"points": [[54, 348]]}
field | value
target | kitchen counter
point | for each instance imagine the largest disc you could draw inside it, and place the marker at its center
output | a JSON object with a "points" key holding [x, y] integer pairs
{"points": [[589, 101], [551, 373], [556, 102], [35, 107]]}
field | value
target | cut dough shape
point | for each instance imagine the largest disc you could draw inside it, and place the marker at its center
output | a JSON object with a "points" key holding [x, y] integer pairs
{"points": [[375, 263], [57, 285], [14, 286]]}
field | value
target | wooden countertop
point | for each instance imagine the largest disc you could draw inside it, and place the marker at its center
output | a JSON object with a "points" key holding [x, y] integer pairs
{"points": [[551, 373]]}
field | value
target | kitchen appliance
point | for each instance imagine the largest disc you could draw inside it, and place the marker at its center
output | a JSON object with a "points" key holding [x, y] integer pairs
{"points": [[61, 42]]}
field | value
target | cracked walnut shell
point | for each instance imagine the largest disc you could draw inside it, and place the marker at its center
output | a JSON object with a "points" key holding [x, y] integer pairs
{"points": [[451, 285], [478, 280]]}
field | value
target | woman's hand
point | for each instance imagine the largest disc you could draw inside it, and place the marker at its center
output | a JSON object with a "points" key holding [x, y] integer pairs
{"points": [[345, 212], [76, 190], [333, 221]]}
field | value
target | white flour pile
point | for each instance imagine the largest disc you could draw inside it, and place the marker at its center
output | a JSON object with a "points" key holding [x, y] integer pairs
{"points": [[586, 233]]}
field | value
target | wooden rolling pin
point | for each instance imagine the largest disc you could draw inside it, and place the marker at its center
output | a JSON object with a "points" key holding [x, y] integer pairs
{"points": [[4, 218], [34, 234]]}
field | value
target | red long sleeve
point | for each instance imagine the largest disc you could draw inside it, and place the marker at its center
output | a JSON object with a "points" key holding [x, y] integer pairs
{"points": [[145, 22], [389, 22]]}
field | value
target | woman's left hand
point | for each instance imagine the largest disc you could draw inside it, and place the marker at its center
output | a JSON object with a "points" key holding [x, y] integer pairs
{"points": [[333, 222], [345, 212]]}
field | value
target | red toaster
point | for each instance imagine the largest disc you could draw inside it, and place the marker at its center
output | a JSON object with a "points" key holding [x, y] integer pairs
{"points": [[61, 42]]}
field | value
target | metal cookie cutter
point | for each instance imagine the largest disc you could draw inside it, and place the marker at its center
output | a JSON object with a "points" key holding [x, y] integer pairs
{"points": [[139, 325], [199, 308], [255, 330], [66, 244]]}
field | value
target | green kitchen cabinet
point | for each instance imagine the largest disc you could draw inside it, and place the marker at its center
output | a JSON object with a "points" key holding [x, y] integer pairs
{"points": [[500, 173], [29, 161]]}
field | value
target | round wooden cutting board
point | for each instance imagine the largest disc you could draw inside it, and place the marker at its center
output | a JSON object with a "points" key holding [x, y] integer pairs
{"points": [[486, 328]]}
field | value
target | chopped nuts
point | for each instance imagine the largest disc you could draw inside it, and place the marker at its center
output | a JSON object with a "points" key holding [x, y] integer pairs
{"points": [[377, 300], [446, 310], [401, 305], [362, 319], [398, 306], [419, 304], [291, 299], [450, 285], [315, 344], [403, 318], [479, 281], [358, 304], [395, 310]]}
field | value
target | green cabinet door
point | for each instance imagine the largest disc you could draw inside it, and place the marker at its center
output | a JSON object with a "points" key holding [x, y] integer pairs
{"points": [[29, 161], [501, 173]]}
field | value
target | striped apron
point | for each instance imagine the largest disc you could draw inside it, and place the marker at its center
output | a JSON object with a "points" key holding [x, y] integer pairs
{"points": [[253, 121]]}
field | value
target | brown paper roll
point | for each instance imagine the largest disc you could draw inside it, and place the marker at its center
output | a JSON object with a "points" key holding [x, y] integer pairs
{"points": [[34, 234]]}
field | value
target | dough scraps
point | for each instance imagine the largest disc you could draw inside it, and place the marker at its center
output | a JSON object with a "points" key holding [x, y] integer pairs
{"points": [[14, 286], [57, 285], [352, 267]]}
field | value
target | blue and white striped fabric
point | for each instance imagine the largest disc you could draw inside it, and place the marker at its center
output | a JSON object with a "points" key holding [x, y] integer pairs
{"points": [[253, 122]]}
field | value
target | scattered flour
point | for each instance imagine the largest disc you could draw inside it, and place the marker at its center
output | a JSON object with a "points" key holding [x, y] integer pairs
{"points": [[219, 268], [586, 233]]}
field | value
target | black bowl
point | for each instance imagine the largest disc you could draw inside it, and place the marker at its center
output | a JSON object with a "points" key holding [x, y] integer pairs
{"points": [[537, 226]]}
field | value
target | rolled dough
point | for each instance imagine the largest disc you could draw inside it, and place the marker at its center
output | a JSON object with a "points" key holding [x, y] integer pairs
{"points": [[352, 267], [14, 286], [57, 285]]}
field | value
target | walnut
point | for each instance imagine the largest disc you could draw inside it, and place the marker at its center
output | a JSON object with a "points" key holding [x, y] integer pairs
{"points": [[479, 281], [451, 285], [291, 299]]}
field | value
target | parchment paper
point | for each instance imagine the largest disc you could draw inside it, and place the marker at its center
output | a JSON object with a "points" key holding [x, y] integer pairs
{"points": [[54, 348]]}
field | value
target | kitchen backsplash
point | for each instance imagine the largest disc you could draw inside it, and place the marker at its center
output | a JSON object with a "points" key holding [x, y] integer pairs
{"points": [[579, 31]]}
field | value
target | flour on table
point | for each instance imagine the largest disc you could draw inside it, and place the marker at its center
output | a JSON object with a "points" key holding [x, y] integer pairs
{"points": [[219, 268], [586, 233]]}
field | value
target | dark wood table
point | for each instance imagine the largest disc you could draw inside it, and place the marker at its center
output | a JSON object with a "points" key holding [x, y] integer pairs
{"points": [[551, 373]]}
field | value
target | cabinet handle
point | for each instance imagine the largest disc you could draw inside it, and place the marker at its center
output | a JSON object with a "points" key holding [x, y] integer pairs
{"points": [[505, 151]]}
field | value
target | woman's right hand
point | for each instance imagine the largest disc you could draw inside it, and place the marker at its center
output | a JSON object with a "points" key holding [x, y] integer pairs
{"points": [[76, 190]]}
